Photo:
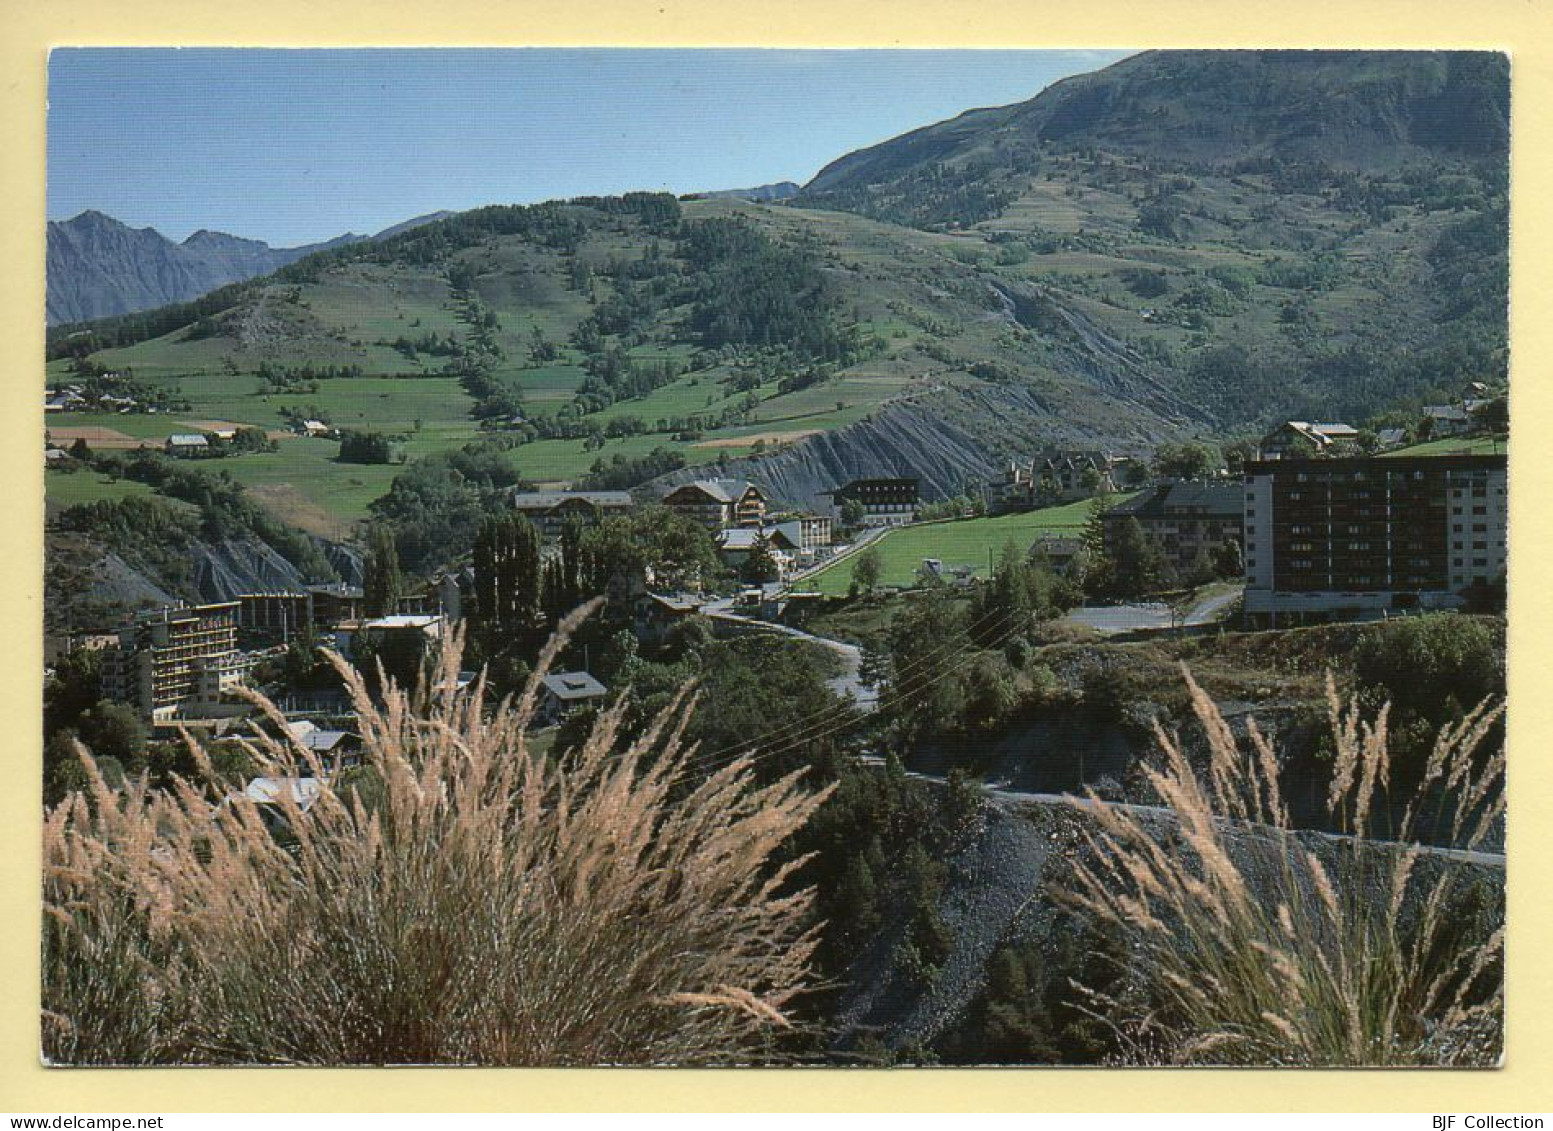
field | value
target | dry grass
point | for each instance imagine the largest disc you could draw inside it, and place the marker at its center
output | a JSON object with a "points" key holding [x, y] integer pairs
{"points": [[469, 902], [1246, 944]]}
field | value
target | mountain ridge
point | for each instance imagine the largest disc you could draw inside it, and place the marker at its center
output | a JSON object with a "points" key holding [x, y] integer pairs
{"points": [[99, 266]]}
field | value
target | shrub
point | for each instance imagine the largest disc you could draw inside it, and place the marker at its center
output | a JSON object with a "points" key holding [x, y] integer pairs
{"points": [[461, 900], [1247, 944]]}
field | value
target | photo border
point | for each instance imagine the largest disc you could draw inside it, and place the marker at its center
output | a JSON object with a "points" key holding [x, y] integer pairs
{"points": [[1525, 29]]}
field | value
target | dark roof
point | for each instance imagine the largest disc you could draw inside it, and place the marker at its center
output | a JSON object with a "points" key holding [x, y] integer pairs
{"points": [[876, 486], [1400, 461], [570, 686], [1221, 499]]}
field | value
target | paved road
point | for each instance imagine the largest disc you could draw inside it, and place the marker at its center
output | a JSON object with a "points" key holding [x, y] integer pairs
{"points": [[1150, 615], [867, 537], [849, 684], [1020, 797]]}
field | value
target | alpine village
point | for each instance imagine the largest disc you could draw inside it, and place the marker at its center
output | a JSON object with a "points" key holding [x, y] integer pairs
{"points": [[1033, 594]]}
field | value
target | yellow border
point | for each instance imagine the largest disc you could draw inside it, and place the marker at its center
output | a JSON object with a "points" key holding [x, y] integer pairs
{"points": [[28, 29]]}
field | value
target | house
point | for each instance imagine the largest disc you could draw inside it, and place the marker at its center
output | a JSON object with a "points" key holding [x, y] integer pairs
{"points": [[187, 444], [885, 502], [1447, 420], [719, 503], [407, 636], [336, 748], [1354, 539], [735, 545], [63, 401], [312, 428], [657, 614], [1188, 520], [1388, 438], [550, 511], [1054, 476], [564, 692], [1299, 439], [1056, 550]]}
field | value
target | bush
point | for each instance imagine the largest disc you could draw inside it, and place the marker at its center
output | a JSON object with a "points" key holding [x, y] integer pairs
{"points": [[465, 901]]}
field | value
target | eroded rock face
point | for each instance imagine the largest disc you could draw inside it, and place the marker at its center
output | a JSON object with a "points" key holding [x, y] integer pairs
{"points": [[950, 439]]}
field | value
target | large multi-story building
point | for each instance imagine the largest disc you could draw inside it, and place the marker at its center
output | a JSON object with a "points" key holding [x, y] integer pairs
{"points": [[550, 511], [719, 503], [885, 502], [1360, 538], [175, 661], [1189, 520]]}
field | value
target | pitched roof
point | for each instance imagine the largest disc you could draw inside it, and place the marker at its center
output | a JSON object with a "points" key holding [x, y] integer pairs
{"points": [[723, 490], [1215, 500], [572, 686], [544, 500], [188, 440]]}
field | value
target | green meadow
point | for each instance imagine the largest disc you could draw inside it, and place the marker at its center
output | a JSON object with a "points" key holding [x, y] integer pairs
{"points": [[969, 542]]}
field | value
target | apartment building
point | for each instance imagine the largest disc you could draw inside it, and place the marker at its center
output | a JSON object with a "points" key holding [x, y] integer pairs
{"points": [[175, 661], [1189, 520], [1348, 539]]}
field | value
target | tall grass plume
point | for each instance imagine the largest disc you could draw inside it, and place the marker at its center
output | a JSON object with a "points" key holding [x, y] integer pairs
{"points": [[1244, 942], [461, 899]]}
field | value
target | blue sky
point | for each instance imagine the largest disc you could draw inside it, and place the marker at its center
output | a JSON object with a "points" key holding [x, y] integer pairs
{"points": [[297, 146]]}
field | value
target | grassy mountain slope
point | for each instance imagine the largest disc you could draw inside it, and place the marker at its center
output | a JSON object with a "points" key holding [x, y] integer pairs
{"points": [[1185, 243]]}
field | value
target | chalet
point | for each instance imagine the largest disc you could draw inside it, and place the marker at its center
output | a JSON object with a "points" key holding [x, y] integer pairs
{"points": [[1188, 520], [550, 511], [1391, 438], [1299, 439], [735, 545], [885, 502], [719, 503], [565, 692]]}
